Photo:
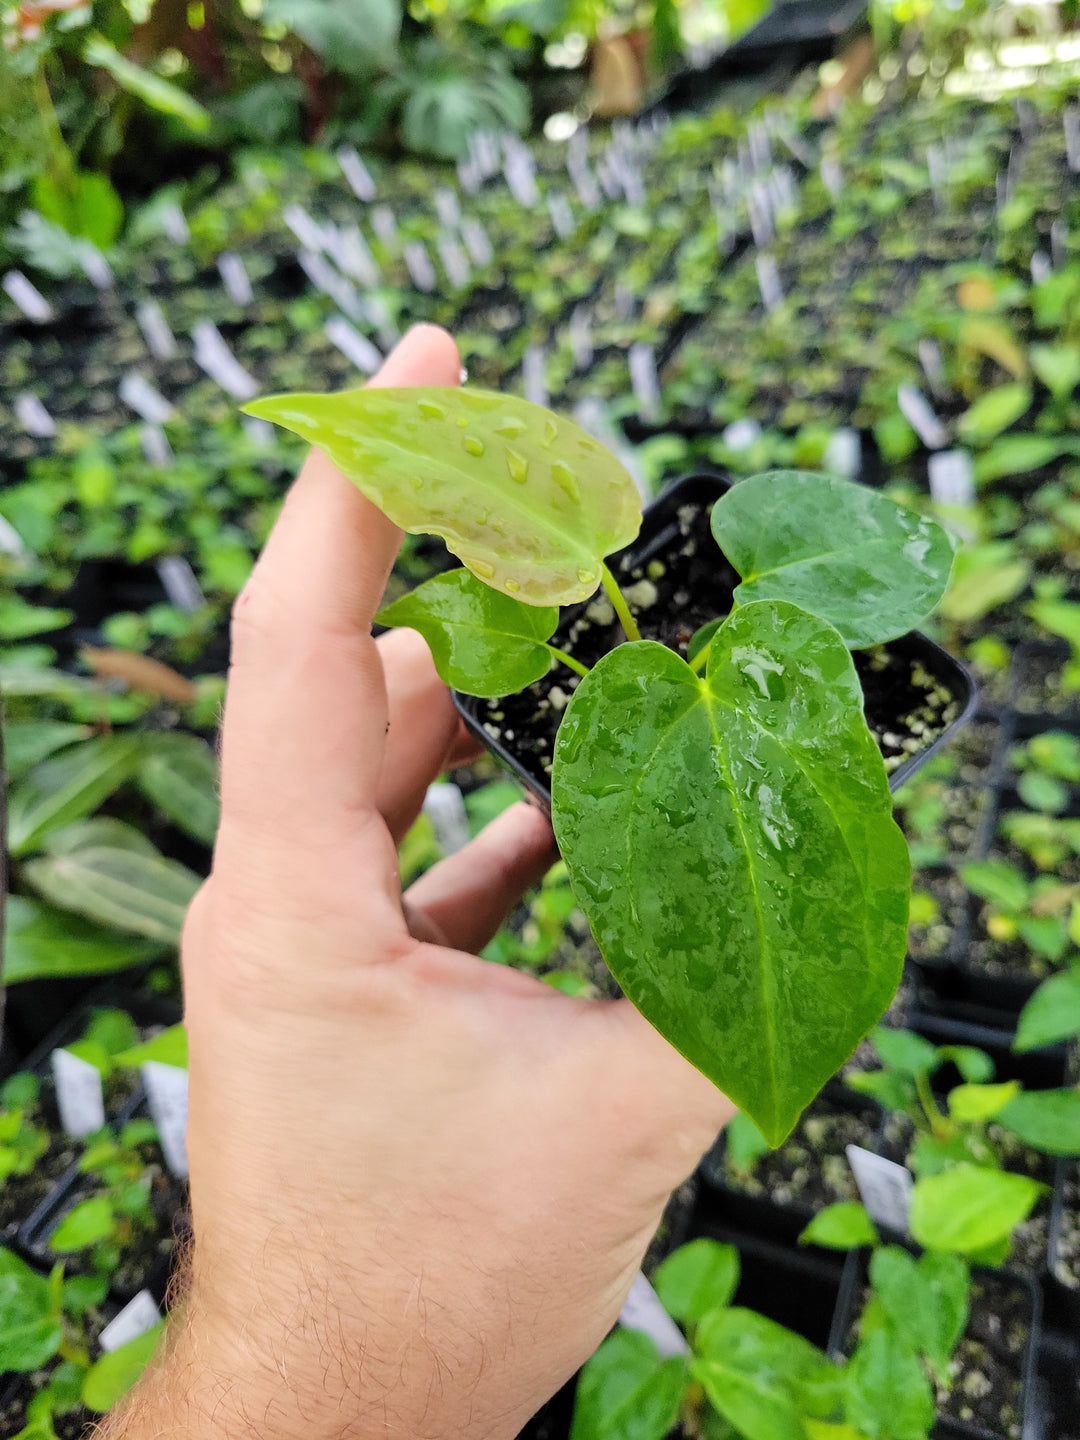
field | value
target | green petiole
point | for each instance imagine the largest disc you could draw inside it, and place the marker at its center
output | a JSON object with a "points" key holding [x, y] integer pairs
{"points": [[568, 660], [618, 601]]}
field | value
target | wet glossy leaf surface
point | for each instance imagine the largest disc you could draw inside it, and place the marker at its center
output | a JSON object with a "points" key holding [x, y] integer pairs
{"points": [[873, 568], [730, 838], [527, 500], [482, 642]]}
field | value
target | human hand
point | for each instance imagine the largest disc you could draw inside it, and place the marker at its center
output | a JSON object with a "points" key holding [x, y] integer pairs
{"points": [[421, 1184]]}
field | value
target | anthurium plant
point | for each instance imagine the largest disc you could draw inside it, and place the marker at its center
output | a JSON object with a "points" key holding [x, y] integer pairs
{"points": [[725, 818]]}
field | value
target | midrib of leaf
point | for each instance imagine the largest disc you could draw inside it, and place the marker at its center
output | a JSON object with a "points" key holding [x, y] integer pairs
{"points": [[514, 503]]}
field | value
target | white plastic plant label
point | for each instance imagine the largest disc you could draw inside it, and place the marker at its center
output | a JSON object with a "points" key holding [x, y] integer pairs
{"points": [[159, 338], [174, 223], [33, 417], [644, 380], [534, 375], [1041, 268], [418, 263], [642, 1311], [79, 1094], [155, 446], [1059, 242], [584, 183], [445, 808], [167, 1095], [325, 278], [843, 454], [562, 217], [1071, 122], [476, 241], [832, 177], [180, 584], [581, 338], [259, 431], [952, 478], [772, 292], [351, 253], [454, 260], [11, 542], [884, 1187], [94, 265], [142, 397], [933, 365], [741, 434], [447, 206], [384, 224], [306, 230], [356, 173], [919, 414], [235, 278], [27, 297], [355, 347], [214, 356], [138, 1315]]}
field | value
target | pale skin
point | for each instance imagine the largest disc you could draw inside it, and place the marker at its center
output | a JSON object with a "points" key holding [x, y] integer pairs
{"points": [[421, 1184]]}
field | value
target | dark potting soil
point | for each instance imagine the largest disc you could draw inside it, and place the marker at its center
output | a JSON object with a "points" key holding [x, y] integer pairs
{"points": [[1037, 687], [1006, 959], [931, 941], [810, 1170], [681, 588], [989, 1360], [1030, 1240], [73, 1426], [1066, 1257]]}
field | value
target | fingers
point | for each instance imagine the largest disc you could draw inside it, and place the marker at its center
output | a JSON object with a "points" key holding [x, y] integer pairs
{"points": [[306, 711], [464, 899], [425, 731]]}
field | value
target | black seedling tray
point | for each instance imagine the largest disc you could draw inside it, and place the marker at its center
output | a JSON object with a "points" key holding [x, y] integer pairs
{"points": [[663, 527]]}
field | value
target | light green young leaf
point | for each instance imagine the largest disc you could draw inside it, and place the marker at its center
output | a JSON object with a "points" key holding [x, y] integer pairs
{"points": [[66, 787], [1057, 366], [842, 1226], [904, 1051], [1049, 1120], [482, 642], [28, 742], [984, 577], [925, 1299], [112, 1376], [30, 1326], [1060, 617], [762, 1378], [974, 1064], [141, 894], [1019, 454], [89, 1222], [627, 1392], [970, 1208], [975, 1103], [995, 880], [889, 1396], [151, 89], [1052, 1013], [798, 907], [41, 943], [179, 774], [697, 1278], [744, 1143], [994, 412], [168, 1048], [529, 502], [869, 566]]}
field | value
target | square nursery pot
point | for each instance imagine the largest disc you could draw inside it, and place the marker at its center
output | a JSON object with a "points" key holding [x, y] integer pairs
{"points": [[21, 1197], [149, 1264], [1063, 1296], [783, 1191], [917, 695], [994, 1395]]}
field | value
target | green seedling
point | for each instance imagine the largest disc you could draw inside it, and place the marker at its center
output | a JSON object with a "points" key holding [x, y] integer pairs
{"points": [[22, 1142], [725, 819], [100, 1227], [1038, 912], [746, 1376], [1048, 764], [1052, 1014]]}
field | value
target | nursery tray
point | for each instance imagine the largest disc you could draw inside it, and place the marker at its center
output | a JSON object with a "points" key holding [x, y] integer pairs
{"points": [[678, 521]]}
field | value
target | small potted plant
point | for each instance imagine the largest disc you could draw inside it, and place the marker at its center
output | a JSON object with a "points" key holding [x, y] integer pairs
{"points": [[719, 800]]}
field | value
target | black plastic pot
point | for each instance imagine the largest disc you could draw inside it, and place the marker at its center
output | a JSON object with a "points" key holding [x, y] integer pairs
{"points": [[993, 1283], [665, 525]]}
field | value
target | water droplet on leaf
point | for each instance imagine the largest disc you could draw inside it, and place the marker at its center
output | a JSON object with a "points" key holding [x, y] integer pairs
{"points": [[551, 431], [483, 569], [473, 445], [513, 586], [517, 465], [430, 410], [566, 480]]}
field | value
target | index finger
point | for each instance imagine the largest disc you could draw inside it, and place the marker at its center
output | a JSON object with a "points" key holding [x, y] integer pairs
{"points": [[306, 712]]}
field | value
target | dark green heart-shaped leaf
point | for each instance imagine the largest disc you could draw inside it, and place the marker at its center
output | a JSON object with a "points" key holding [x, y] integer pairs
{"points": [[628, 1391], [482, 642], [529, 502], [872, 568], [730, 838]]}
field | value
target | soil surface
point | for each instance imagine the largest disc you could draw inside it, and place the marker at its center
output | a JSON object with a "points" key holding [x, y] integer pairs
{"points": [[931, 942], [810, 1170], [989, 1360], [674, 585], [1066, 1256], [1037, 686]]}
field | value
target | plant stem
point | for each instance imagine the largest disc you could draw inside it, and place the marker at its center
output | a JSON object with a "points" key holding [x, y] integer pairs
{"points": [[697, 664], [618, 600], [568, 660], [63, 165], [939, 1124]]}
